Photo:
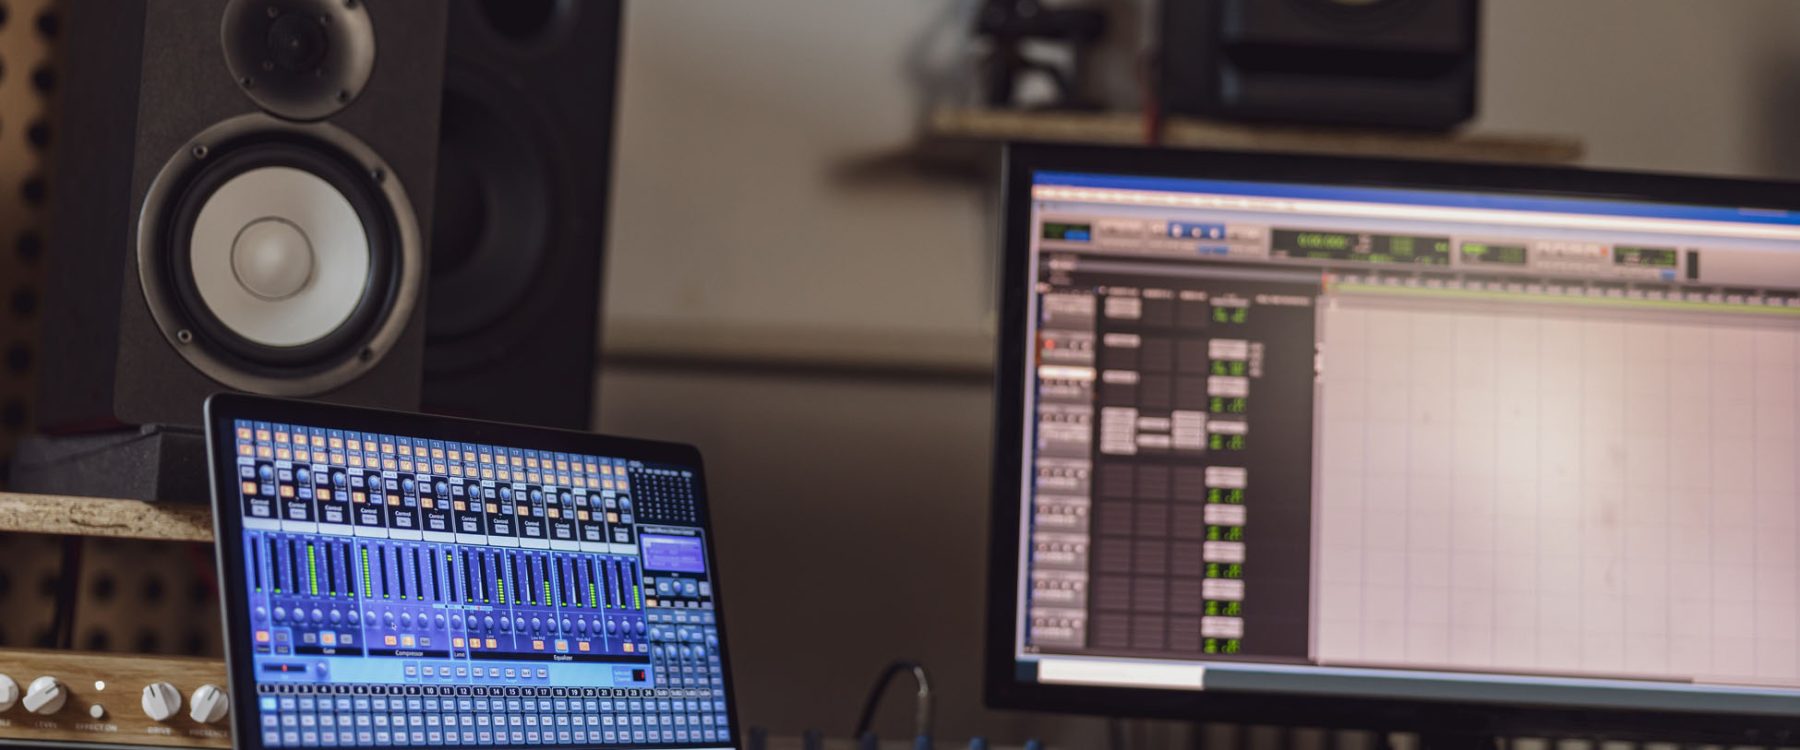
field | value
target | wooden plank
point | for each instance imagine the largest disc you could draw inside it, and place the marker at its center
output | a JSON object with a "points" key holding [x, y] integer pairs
{"points": [[93, 516], [1127, 129]]}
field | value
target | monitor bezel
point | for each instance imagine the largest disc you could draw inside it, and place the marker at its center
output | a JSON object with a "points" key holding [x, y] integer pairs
{"points": [[1002, 688], [223, 409]]}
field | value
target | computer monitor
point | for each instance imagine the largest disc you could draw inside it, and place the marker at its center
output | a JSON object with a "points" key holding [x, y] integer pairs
{"points": [[406, 581], [1384, 443]]}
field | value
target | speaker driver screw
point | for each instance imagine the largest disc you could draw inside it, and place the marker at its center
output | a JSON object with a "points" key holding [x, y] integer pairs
{"points": [[200, 152], [378, 174], [184, 336]]}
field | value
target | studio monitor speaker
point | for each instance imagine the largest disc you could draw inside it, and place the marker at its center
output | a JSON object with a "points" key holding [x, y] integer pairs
{"points": [[523, 169], [1396, 63], [240, 200]]}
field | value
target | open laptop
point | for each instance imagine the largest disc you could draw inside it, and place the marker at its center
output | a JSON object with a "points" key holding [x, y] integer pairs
{"points": [[401, 580]]}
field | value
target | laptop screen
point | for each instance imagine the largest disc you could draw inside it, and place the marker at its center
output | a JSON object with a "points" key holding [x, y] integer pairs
{"points": [[420, 586]]}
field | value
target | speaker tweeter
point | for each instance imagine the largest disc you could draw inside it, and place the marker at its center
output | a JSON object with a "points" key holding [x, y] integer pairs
{"points": [[299, 59]]}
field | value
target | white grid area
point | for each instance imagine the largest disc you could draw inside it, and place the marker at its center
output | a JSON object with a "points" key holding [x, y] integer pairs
{"points": [[1558, 491]]}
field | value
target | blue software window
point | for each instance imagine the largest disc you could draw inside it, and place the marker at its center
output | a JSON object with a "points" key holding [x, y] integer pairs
{"points": [[413, 592]]}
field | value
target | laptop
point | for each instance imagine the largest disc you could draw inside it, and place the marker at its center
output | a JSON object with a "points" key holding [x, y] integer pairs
{"points": [[395, 580]]}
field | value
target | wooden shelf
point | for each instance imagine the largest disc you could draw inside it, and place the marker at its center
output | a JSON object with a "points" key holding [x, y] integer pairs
{"points": [[93, 516], [1127, 128]]}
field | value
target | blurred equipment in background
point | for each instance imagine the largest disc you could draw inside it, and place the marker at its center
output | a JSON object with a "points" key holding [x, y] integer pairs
{"points": [[1011, 25], [523, 170], [245, 211], [1397, 63]]}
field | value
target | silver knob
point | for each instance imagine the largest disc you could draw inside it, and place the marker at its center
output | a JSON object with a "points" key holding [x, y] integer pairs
{"points": [[161, 701], [45, 695], [210, 704]]}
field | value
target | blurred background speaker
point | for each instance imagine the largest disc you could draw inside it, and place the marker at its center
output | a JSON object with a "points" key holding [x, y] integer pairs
{"points": [[524, 164], [242, 205], [1402, 63]]}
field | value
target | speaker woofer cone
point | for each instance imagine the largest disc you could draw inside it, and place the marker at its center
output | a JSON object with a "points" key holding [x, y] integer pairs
{"points": [[281, 253], [279, 258]]}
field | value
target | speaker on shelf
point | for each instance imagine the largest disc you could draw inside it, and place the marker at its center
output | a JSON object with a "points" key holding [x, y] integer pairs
{"points": [[1397, 63], [524, 163], [240, 202]]}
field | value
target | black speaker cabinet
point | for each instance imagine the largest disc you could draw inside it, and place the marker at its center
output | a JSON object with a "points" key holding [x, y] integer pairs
{"points": [[240, 201], [1399, 63], [523, 168]]}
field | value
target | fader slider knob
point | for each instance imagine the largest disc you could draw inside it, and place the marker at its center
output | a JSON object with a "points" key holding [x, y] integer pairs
{"points": [[210, 704], [45, 695], [161, 701]]}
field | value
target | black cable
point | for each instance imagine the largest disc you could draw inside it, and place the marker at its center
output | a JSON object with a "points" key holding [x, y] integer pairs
{"points": [[922, 706]]}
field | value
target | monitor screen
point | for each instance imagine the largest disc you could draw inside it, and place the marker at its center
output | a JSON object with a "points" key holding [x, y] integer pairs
{"points": [[404, 587], [1407, 444]]}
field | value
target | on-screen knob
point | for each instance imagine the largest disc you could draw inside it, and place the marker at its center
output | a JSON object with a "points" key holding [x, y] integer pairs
{"points": [[45, 695], [9, 693], [161, 701], [210, 704]]}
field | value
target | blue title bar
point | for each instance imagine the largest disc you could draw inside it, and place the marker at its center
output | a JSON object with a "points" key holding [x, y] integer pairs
{"points": [[1444, 198]]}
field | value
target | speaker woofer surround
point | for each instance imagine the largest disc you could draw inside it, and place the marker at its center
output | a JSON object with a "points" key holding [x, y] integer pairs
{"points": [[299, 59], [279, 258], [503, 208]]}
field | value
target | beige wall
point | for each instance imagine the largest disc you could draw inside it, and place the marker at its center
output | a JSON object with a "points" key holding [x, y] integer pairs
{"points": [[852, 508]]}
